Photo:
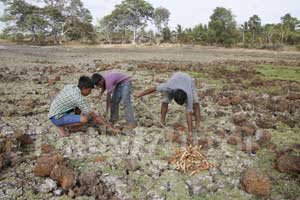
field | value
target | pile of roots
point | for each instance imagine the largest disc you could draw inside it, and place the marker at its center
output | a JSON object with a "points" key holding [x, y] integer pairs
{"points": [[189, 159]]}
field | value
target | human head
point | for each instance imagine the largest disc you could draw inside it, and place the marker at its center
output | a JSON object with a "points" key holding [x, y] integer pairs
{"points": [[85, 84], [98, 80], [180, 97]]}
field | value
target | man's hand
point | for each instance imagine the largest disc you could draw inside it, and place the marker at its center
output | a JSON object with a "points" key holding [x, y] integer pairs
{"points": [[115, 130], [97, 97], [146, 92], [98, 119], [136, 94], [108, 103]]}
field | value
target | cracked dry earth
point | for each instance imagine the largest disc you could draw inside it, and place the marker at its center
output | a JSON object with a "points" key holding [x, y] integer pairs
{"points": [[250, 125]]}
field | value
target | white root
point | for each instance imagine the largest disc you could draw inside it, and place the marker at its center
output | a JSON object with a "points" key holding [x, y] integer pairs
{"points": [[190, 160]]}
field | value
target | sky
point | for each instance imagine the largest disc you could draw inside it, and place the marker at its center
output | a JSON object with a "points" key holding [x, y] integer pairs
{"points": [[189, 13]]}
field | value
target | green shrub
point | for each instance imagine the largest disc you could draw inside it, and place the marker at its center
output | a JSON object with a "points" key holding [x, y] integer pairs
{"points": [[18, 37], [275, 47]]}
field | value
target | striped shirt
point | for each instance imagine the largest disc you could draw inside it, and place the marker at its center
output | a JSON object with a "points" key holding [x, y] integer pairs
{"points": [[69, 98]]}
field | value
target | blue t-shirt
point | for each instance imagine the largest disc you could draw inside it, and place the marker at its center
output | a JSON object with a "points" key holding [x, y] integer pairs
{"points": [[181, 81]]}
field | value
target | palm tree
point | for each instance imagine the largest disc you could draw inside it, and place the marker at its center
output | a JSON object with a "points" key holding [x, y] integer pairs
{"points": [[254, 24]]}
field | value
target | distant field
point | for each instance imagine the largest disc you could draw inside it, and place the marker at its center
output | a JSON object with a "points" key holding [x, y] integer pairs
{"points": [[20, 56]]}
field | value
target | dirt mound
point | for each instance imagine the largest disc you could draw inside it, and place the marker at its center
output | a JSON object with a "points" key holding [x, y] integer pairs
{"points": [[255, 183], [263, 137], [90, 184], [288, 163], [64, 175], [10, 148], [234, 139], [45, 165], [60, 170], [47, 148], [24, 139]]}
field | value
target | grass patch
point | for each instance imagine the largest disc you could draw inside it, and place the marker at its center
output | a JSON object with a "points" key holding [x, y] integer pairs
{"points": [[246, 81], [112, 172], [218, 84], [177, 190], [269, 90], [285, 136], [225, 193], [140, 182], [232, 68], [197, 74], [80, 163], [29, 194], [279, 72]]}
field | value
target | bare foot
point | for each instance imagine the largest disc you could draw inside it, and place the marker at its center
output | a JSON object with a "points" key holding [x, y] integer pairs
{"points": [[62, 132], [77, 129]]}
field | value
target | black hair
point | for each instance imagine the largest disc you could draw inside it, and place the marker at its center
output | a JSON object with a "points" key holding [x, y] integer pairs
{"points": [[98, 77], [85, 82], [180, 97]]}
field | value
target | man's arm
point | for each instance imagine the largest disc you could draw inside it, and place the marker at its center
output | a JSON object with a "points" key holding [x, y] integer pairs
{"points": [[98, 119], [108, 102], [101, 93], [190, 128], [164, 110], [196, 108], [189, 121], [146, 92]]}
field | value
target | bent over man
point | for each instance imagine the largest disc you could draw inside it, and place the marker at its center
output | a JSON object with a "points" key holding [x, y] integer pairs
{"points": [[181, 88]]}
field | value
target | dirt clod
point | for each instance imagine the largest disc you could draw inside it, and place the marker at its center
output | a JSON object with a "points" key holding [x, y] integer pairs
{"points": [[288, 163], [255, 183]]}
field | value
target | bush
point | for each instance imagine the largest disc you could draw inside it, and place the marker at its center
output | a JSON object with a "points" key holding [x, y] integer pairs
{"points": [[4, 36], [276, 46], [241, 45], [228, 42], [18, 37]]}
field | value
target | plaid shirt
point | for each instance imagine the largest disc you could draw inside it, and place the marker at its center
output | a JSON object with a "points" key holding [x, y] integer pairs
{"points": [[69, 98]]}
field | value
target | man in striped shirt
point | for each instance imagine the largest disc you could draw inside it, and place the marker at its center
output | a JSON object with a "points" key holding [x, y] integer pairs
{"points": [[69, 99]]}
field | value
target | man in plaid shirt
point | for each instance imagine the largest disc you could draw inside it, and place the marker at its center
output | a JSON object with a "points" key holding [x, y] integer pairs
{"points": [[69, 99]]}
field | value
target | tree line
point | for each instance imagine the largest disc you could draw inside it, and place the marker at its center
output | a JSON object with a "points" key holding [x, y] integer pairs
{"points": [[129, 22], [54, 20]]}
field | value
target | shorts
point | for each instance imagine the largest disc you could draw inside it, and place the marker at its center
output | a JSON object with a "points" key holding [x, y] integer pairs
{"points": [[66, 119]]}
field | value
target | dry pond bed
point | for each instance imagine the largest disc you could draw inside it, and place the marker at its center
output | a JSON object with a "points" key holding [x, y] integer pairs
{"points": [[250, 125]]}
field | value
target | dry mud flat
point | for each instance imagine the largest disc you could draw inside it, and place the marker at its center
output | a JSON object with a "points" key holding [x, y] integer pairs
{"points": [[250, 109]]}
